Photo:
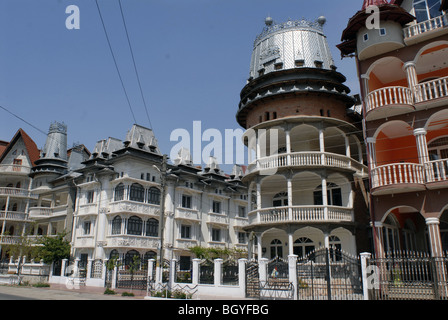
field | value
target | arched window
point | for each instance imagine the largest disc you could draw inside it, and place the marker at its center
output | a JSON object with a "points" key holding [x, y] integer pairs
{"points": [[438, 149], [114, 255], [280, 200], [135, 226], [303, 246], [152, 228], [390, 234], [116, 225], [154, 196], [131, 257], [149, 255], [137, 193], [276, 249], [119, 192], [334, 195]]}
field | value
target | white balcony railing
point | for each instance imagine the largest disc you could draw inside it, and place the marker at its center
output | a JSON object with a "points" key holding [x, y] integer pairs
{"points": [[397, 173], [388, 96], [134, 207], [311, 158], [187, 214], [131, 241], [437, 171], [301, 214], [14, 216], [15, 192], [430, 90], [425, 26], [45, 212]]}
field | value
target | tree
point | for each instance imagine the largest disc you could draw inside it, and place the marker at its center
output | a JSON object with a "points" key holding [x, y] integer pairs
{"points": [[53, 248]]}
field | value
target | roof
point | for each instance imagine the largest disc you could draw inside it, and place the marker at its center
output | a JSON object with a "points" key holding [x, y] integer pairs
{"points": [[368, 3], [30, 145], [3, 146]]}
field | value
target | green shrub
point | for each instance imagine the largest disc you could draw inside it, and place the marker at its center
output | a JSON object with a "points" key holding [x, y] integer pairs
{"points": [[109, 291], [41, 285], [127, 294]]}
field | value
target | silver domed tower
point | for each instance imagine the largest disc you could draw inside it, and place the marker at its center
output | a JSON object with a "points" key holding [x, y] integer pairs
{"points": [[304, 141]]}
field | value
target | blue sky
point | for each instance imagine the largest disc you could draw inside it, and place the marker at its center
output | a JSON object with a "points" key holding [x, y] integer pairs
{"points": [[192, 55]]}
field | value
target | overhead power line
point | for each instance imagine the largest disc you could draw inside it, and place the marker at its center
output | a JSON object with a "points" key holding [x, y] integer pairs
{"points": [[115, 62], [135, 65]]}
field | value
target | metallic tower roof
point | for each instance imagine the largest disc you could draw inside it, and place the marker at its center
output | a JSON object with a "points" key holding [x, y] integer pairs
{"points": [[290, 45]]}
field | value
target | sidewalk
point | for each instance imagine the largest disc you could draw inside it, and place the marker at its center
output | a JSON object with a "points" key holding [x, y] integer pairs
{"points": [[61, 292]]}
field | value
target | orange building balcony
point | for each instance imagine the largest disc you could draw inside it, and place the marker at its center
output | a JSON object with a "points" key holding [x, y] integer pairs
{"points": [[434, 90], [388, 101], [398, 178]]}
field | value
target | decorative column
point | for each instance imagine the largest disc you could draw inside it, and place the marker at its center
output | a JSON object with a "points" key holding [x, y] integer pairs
{"points": [[289, 187], [195, 276], [290, 242], [259, 246], [242, 276], [411, 74], [325, 197], [288, 146], [435, 241], [378, 239], [371, 148], [292, 268], [422, 145], [258, 201], [322, 145]]}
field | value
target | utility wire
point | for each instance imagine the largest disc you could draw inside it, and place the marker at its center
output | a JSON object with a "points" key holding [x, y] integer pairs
{"points": [[115, 62], [135, 66]]}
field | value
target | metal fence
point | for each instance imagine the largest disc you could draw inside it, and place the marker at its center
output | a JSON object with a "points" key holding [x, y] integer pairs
{"points": [[408, 276]]}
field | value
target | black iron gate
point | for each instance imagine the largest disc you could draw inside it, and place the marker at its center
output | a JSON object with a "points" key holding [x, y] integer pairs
{"points": [[252, 280], [329, 274]]}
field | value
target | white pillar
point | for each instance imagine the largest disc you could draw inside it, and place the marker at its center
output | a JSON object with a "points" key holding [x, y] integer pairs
{"points": [[289, 187], [291, 243], [435, 241], [422, 145], [322, 145], [242, 276], [347, 146], [292, 264], [217, 271], [371, 145], [325, 197], [288, 146], [258, 201], [151, 265], [195, 276], [365, 256], [263, 269], [259, 246], [411, 74]]}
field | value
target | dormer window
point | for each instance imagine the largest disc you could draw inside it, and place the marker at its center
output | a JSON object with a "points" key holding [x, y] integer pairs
{"points": [[278, 66], [261, 72], [318, 64]]}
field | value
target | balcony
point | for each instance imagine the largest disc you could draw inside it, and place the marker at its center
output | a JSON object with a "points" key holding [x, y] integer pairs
{"points": [[218, 219], [127, 206], [425, 30], [306, 159], [45, 212], [433, 91], [14, 216], [84, 242], [88, 209], [398, 178], [436, 173], [388, 102], [187, 214], [301, 214], [17, 193], [131, 241], [14, 169]]}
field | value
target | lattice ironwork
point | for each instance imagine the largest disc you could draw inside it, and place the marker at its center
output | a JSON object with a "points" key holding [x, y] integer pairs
{"points": [[207, 272], [329, 275], [230, 272], [252, 279]]}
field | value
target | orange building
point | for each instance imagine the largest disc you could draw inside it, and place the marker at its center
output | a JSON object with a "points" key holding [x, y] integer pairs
{"points": [[403, 71]]}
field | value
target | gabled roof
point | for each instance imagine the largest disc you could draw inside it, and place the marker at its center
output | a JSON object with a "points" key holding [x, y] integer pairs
{"points": [[3, 146], [30, 145]]}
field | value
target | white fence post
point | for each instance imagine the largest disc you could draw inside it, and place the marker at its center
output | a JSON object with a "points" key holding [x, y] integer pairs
{"points": [[365, 284], [172, 272], [195, 276], [262, 269], [218, 272], [151, 263], [292, 263], [242, 276], [63, 267]]}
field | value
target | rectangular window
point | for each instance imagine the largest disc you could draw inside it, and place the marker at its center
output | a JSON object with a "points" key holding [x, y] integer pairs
{"points": [[241, 237], [366, 37], [90, 196], [216, 207], [186, 201], [185, 232], [383, 32], [86, 227], [299, 63], [216, 235], [241, 212]]}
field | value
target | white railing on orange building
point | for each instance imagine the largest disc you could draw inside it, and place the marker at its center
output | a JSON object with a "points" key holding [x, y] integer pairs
{"points": [[397, 173], [388, 96], [425, 26], [437, 170], [430, 90]]}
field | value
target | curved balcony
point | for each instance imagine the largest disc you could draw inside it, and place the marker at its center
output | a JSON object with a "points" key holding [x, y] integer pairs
{"points": [[14, 169], [425, 30], [388, 102], [398, 178], [131, 241], [436, 173], [306, 159], [301, 214]]}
